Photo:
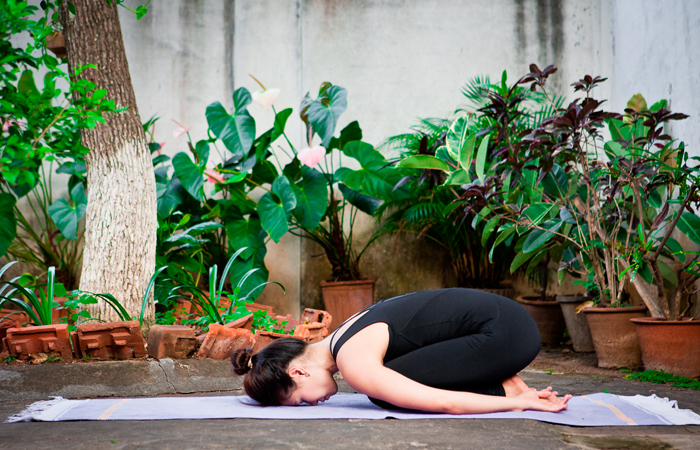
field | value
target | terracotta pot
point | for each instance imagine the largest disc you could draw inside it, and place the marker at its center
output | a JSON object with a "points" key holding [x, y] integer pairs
{"points": [[345, 298], [503, 292], [670, 345], [547, 316], [613, 334], [576, 323]]}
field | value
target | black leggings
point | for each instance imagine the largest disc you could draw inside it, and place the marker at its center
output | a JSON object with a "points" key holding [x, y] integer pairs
{"points": [[493, 343]]}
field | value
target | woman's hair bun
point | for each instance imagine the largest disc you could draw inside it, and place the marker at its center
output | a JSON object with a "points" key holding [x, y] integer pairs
{"points": [[241, 360]]}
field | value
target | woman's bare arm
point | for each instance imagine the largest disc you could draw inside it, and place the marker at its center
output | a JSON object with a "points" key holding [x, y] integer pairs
{"points": [[360, 362]]}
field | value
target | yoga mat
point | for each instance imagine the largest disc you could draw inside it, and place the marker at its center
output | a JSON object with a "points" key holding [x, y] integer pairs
{"points": [[592, 410]]}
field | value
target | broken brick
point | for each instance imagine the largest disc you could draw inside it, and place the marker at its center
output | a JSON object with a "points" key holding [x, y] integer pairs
{"points": [[221, 342], [171, 341], [17, 318], [311, 332], [316, 315], [244, 322], [50, 339], [118, 340]]}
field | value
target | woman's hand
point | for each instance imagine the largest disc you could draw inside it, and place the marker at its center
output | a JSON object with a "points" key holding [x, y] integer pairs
{"points": [[544, 400]]}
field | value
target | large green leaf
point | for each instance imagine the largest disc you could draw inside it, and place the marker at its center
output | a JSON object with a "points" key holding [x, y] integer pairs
{"points": [[489, 229], [375, 178], [284, 191], [423, 162], [190, 175], [364, 203], [458, 138], [538, 237], [668, 274], [311, 192], [323, 112], [236, 131], [246, 233], [280, 122], [170, 196], [481, 158], [458, 177], [66, 217], [8, 222], [689, 224], [537, 212], [273, 217]]}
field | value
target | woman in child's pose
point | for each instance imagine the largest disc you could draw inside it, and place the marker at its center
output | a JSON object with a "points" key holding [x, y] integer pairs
{"points": [[455, 351]]}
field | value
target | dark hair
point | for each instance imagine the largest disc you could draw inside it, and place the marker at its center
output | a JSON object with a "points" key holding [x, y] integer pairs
{"points": [[268, 382]]}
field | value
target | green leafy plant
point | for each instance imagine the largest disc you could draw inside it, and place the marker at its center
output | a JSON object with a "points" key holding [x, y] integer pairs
{"points": [[41, 126], [38, 307], [447, 158], [218, 305]]}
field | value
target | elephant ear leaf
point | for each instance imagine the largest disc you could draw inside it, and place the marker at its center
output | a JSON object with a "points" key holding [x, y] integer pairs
{"points": [[364, 203], [190, 175], [8, 222], [323, 112], [311, 192], [67, 217], [236, 131]]}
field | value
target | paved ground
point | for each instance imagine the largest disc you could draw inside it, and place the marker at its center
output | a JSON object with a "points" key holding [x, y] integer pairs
{"points": [[550, 368]]}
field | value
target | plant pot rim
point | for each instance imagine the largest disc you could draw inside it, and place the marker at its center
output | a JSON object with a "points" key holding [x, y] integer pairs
{"points": [[619, 309], [661, 321], [575, 298], [346, 283], [524, 299]]}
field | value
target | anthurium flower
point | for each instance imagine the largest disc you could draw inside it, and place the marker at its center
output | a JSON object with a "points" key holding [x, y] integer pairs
{"points": [[213, 176], [311, 156], [266, 98], [162, 144], [180, 130], [6, 125]]}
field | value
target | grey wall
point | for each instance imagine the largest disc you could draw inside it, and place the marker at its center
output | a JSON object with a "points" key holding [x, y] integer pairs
{"points": [[399, 59]]}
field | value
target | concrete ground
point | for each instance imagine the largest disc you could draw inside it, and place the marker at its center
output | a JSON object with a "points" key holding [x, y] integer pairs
{"points": [[550, 368]]}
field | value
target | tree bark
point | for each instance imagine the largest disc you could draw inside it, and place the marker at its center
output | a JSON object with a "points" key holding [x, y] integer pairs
{"points": [[121, 222]]}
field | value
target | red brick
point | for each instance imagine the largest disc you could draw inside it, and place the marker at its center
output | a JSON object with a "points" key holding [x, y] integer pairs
{"points": [[252, 307], [316, 315], [76, 345], [17, 318], [118, 340], [4, 326], [221, 342], [244, 322], [311, 332], [264, 338], [171, 341], [49, 339]]}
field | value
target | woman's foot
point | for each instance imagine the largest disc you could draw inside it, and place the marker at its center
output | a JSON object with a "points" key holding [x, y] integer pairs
{"points": [[514, 386]]}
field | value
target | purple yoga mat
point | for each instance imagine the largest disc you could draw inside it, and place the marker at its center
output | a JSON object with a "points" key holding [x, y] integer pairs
{"points": [[588, 411]]}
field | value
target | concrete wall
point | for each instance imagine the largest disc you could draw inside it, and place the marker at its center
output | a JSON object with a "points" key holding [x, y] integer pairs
{"points": [[399, 59]]}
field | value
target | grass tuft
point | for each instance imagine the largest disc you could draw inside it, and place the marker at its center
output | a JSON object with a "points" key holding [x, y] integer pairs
{"points": [[665, 377]]}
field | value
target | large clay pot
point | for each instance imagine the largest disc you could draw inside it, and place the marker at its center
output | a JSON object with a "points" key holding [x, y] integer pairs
{"points": [[576, 323], [613, 334], [547, 316], [670, 345], [345, 298]]}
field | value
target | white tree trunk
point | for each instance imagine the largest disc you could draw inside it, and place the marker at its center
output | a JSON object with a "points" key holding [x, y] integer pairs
{"points": [[120, 230]]}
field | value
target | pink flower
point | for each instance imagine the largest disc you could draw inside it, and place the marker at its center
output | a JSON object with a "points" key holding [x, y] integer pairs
{"points": [[6, 125], [177, 132], [312, 156], [162, 144], [213, 176], [266, 98]]}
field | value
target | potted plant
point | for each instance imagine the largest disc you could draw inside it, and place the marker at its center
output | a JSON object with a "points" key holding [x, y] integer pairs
{"points": [[485, 165], [348, 192], [609, 204]]}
